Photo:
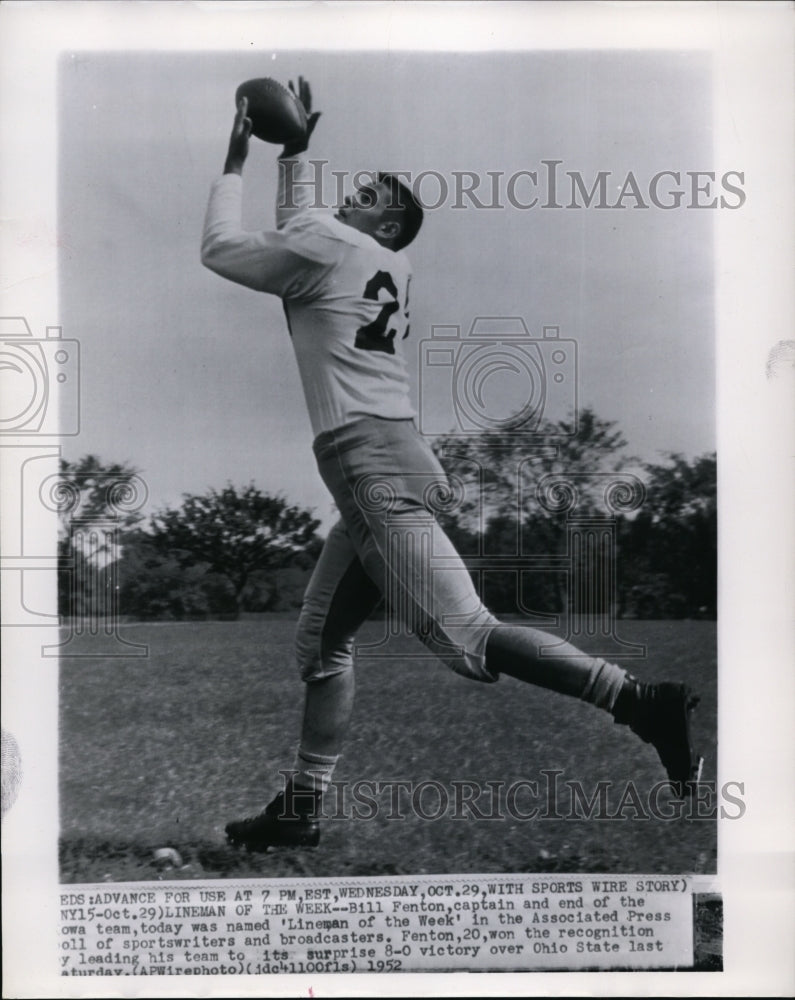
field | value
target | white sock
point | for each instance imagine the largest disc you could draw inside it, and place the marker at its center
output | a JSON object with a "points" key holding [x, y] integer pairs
{"points": [[604, 684], [314, 770]]}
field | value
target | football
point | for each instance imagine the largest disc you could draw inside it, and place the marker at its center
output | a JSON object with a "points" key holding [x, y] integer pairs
{"points": [[276, 113]]}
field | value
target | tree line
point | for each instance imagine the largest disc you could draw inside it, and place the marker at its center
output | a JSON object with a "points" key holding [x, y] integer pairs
{"points": [[519, 501]]}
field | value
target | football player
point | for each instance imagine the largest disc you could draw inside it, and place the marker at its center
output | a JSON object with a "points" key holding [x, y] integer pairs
{"points": [[344, 281]]}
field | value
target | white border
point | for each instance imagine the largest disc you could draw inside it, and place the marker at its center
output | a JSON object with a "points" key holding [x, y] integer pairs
{"points": [[751, 46]]}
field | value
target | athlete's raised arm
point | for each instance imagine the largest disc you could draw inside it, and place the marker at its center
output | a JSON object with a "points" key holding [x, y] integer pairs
{"points": [[267, 260], [297, 187], [238, 141]]}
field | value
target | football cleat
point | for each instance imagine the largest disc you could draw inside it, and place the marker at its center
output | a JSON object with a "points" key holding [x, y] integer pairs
{"points": [[660, 715], [288, 821]]}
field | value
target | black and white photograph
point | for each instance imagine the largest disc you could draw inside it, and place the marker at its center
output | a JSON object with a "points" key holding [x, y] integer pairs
{"points": [[397, 467]]}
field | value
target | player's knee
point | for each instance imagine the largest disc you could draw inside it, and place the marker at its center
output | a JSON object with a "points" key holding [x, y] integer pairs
{"points": [[307, 643], [316, 656], [473, 668], [466, 651]]}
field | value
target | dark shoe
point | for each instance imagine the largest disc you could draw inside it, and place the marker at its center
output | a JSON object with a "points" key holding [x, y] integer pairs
{"points": [[290, 820], [660, 715]]}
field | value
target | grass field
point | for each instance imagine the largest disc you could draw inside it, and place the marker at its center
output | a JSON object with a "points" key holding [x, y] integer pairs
{"points": [[163, 751]]}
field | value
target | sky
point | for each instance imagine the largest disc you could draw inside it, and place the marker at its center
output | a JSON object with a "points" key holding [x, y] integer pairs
{"points": [[192, 380]]}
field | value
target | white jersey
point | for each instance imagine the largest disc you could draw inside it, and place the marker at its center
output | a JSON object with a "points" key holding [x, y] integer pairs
{"points": [[345, 296]]}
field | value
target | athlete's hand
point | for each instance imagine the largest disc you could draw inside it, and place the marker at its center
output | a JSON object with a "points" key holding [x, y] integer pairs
{"points": [[304, 95], [238, 140]]}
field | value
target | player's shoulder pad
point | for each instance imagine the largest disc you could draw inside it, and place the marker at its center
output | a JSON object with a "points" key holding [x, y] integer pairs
{"points": [[320, 237]]}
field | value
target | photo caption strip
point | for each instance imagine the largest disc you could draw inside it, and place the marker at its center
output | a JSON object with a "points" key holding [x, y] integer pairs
{"points": [[524, 923]]}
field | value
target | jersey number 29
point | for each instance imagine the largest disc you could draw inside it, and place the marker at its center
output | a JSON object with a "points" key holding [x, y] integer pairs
{"points": [[375, 336]]}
